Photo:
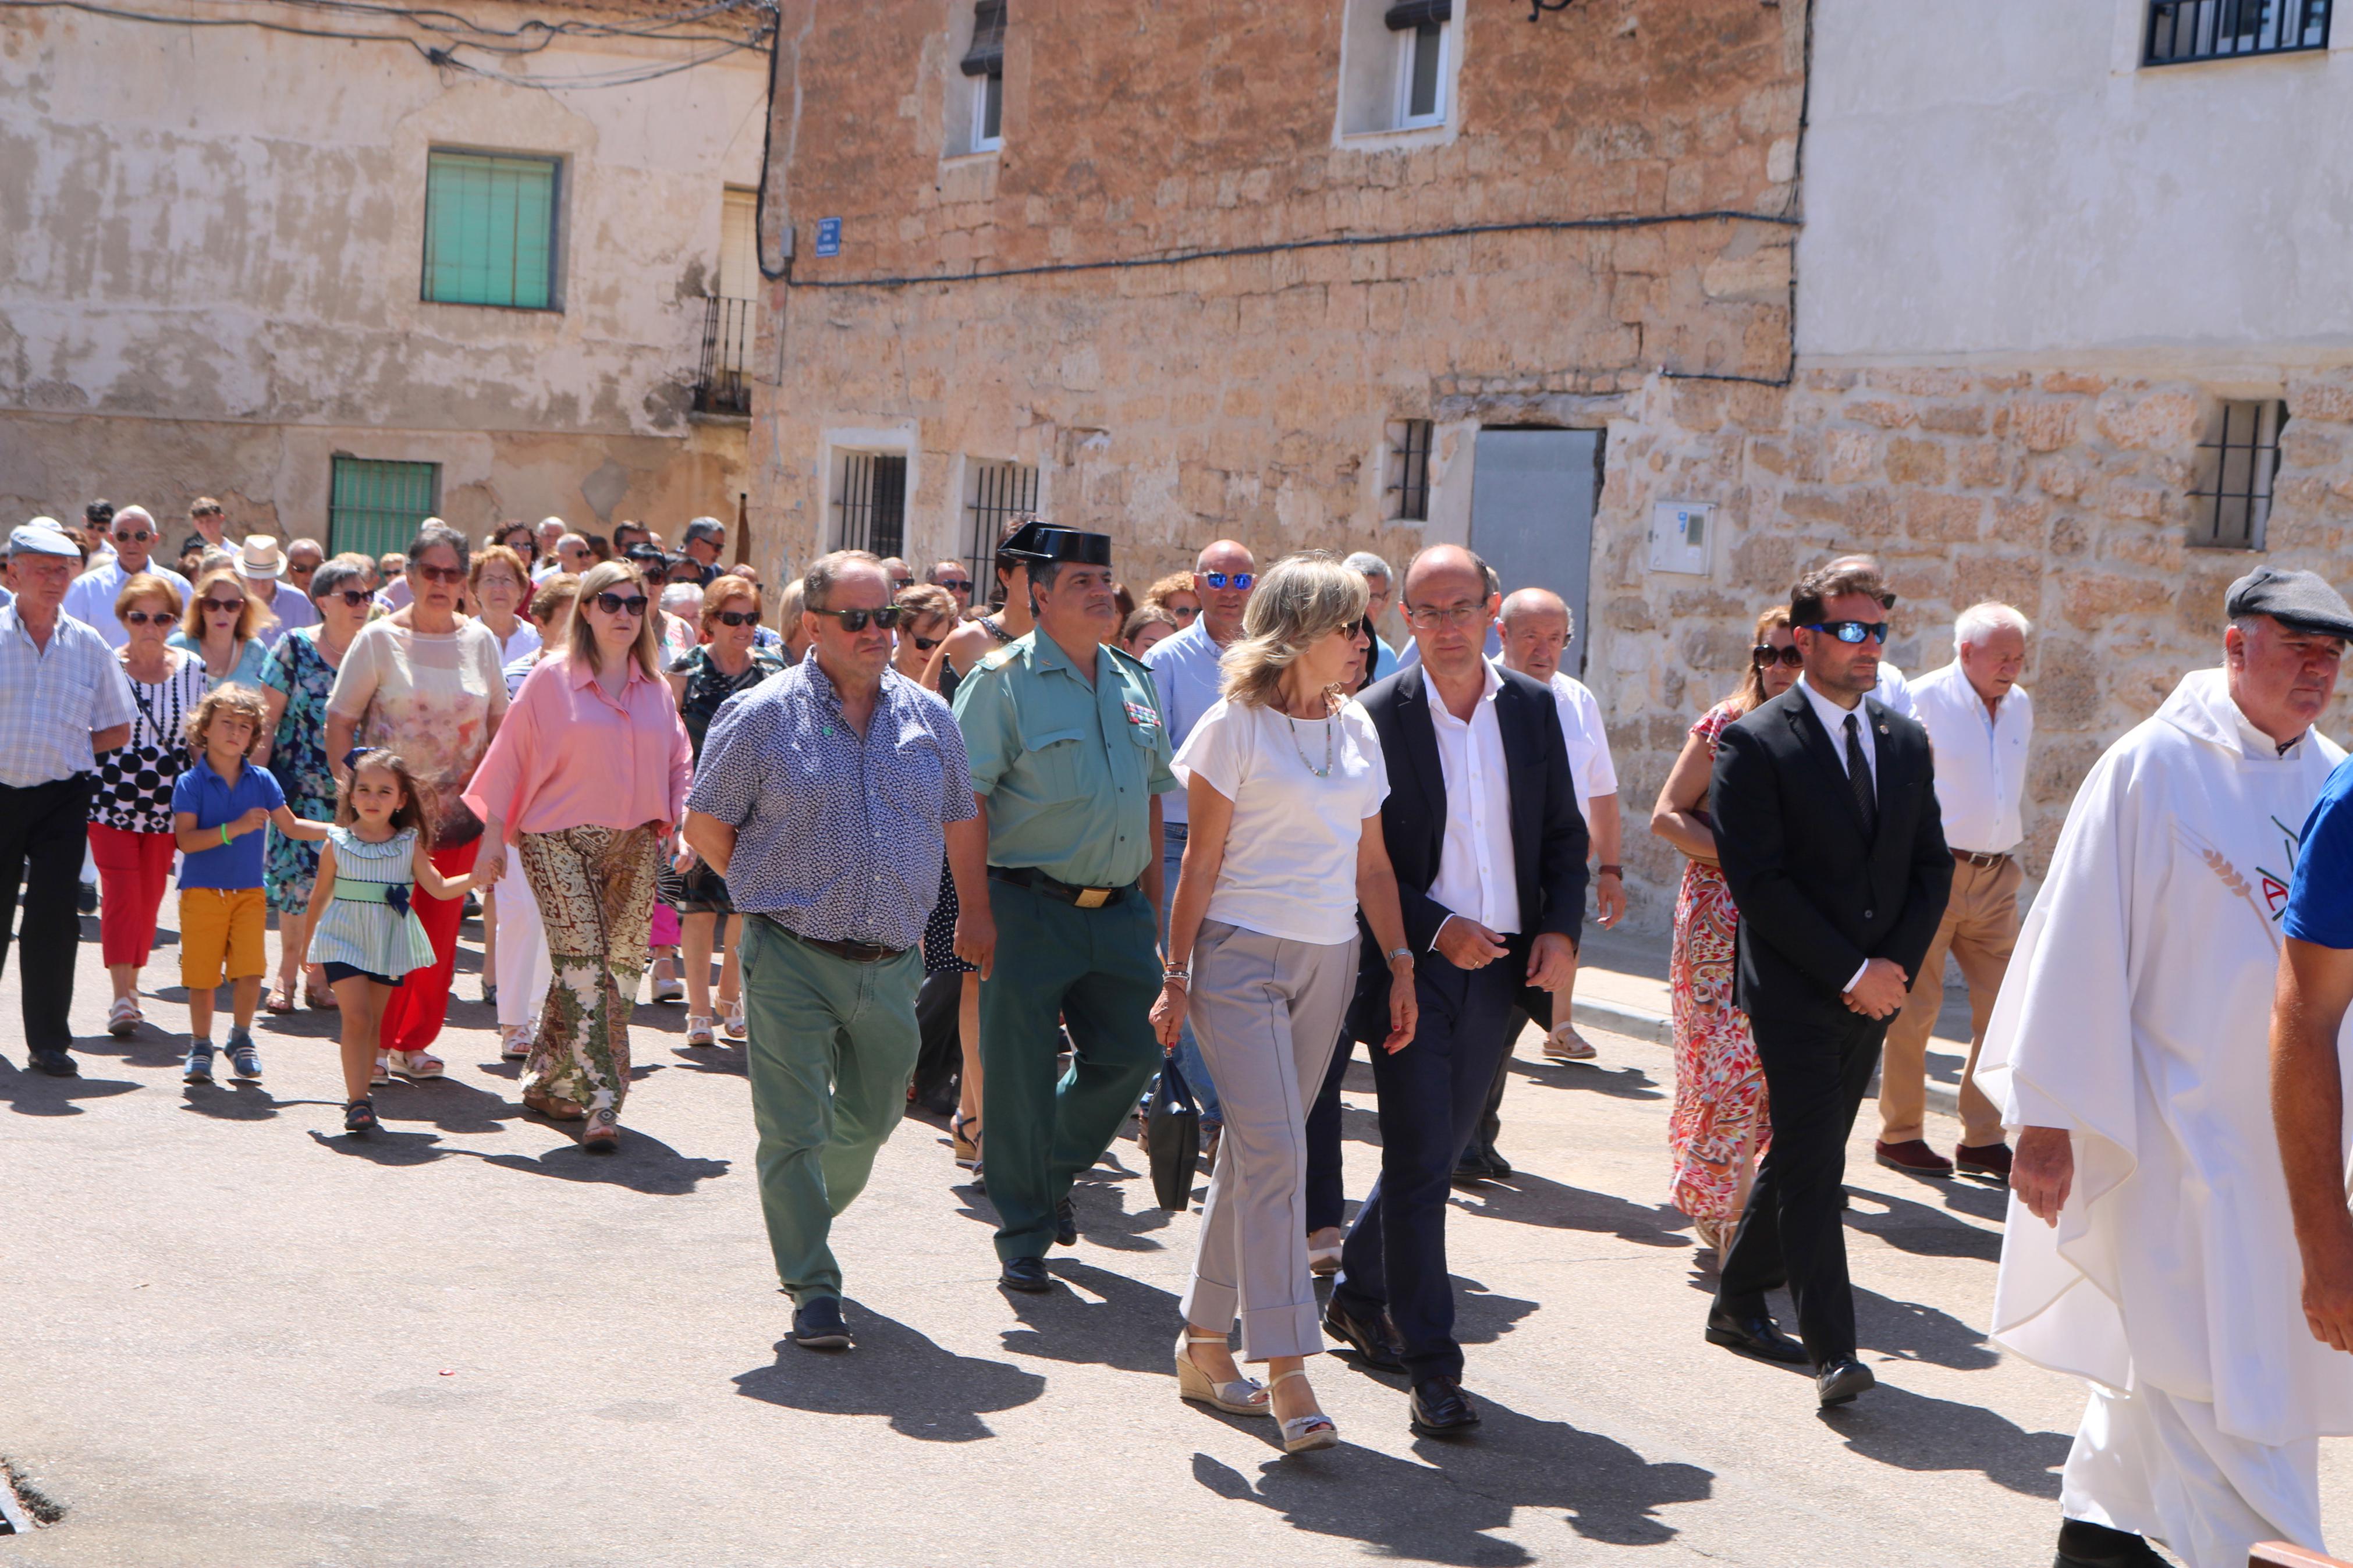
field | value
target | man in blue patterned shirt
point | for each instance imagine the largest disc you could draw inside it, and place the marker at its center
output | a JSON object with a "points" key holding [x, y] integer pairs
{"points": [[825, 796]]}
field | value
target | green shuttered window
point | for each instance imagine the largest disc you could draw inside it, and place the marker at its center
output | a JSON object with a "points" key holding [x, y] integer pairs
{"points": [[490, 229], [375, 506]]}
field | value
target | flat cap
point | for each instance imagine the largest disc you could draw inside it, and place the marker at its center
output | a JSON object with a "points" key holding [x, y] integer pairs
{"points": [[2302, 600], [42, 536]]}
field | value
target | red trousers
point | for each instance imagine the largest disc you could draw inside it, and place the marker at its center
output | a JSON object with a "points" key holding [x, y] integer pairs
{"points": [[413, 1013], [132, 868]]}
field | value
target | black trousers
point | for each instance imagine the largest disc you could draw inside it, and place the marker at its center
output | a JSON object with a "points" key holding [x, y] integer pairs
{"points": [[1815, 1074], [1535, 1006], [43, 830], [1326, 1196], [1431, 1096]]}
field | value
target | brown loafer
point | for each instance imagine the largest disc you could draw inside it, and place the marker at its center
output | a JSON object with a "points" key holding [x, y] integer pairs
{"points": [[1913, 1157], [555, 1107], [1983, 1160]]}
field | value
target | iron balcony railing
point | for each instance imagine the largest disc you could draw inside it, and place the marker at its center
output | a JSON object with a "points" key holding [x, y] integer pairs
{"points": [[722, 385]]}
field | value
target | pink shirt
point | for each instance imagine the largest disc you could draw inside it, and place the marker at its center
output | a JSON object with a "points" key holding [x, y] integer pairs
{"points": [[569, 755]]}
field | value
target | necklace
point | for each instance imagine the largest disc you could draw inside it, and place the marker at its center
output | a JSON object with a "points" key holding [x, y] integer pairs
{"points": [[1325, 770]]}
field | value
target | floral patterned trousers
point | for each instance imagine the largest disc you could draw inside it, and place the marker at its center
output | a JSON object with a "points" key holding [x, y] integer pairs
{"points": [[595, 892]]}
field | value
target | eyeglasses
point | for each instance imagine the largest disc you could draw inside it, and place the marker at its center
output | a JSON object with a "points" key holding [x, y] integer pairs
{"points": [[1852, 631], [1185, 612], [149, 617], [452, 575], [926, 645], [142, 537], [352, 598], [210, 511], [614, 603], [1765, 654], [1429, 617], [223, 606], [902, 583], [738, 618], [1238, 580], [886, 618]]}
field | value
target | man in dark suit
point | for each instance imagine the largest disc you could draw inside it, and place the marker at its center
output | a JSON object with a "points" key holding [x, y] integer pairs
{"points": [[1826, 825], [1482, 829]]}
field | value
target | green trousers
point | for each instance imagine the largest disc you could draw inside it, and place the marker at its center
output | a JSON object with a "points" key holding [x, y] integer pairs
{"points": [[1095, 972], [832, 1044]]}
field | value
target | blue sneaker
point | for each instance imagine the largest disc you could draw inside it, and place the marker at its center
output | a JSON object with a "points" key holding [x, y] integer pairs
{"points": [[243, 1059], [200, 1062]]}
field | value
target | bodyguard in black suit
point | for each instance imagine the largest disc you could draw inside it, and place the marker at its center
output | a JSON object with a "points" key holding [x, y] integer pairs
{"points": [[1483, 828], [1826, 828]]}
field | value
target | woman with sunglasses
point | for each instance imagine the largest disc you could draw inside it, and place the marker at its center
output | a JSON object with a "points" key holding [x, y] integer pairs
{"points": [[295, 685], [1175, 595], [1718, 1129], [424, 682], [729, 661], [219, 625], [588, 779], [131, 813], [926, 615]]}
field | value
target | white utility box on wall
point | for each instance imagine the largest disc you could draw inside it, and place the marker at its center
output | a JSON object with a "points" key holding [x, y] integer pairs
{"points": [[1679, 536]]}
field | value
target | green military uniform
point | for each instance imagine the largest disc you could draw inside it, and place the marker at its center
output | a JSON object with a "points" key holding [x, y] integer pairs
{"points": [[1066, 771]]}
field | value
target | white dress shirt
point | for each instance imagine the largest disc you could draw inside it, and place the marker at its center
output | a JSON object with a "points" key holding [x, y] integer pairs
{"points": [[1894, 691], [1190, 680], [1980, 759], [1477, 877], [90, 598], [1833, 718]]}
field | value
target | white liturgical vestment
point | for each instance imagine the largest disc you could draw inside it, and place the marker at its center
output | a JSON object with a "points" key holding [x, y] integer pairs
{"points": [[2136, 1013]]}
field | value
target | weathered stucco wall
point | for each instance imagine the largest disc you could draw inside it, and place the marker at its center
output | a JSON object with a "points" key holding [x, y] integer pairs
{"points": [[218, 230], [1249, 396]]}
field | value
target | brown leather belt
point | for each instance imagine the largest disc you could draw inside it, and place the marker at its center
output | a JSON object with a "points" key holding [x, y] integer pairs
{"points": [[855, 952], [1037, 881], [1977, 857]]}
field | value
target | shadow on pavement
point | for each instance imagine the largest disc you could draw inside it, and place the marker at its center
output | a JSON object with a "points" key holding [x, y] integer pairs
{"points": [[1923, 1229], [447, 1103], [1104, 1219], [1103, 1320], [1918, 1332], [1526, 1198], [239, 1100], [1482, 1316], [642, 1163], [29, 1092], [1617, 1083], [929, 1393], [1440, 1511], [1912, 1432]]}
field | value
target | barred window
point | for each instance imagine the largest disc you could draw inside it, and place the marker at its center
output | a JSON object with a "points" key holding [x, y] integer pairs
{"points": [[2236, 471], [1408, 475], [999, 493], [373, 507], [2181, 31], [870, 502]]}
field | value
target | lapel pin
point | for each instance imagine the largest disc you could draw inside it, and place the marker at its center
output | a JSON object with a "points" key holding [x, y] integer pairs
{"points": [[1882, 729]]}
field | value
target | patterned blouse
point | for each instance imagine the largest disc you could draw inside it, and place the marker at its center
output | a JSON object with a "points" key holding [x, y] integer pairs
{"points": [[298, 760], [707, 687], [134, 781], [433, 698]]}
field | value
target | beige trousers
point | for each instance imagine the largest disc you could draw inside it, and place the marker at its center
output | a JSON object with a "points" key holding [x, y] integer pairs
{"points": [[1979, 926]]}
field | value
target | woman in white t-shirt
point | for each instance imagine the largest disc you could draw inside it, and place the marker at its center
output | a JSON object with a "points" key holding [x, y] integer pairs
{"points": [[1284, 785]]}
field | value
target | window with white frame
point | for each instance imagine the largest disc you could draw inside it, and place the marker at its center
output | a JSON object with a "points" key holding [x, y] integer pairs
{"points": [[1422, 30], [1398, 65], [978, 126]]}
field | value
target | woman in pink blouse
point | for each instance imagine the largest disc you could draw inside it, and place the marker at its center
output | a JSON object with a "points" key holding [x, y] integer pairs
{"points": [[587, 775]]}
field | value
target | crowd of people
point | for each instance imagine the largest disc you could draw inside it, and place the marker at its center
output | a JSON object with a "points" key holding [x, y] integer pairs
{"points": [[1010, 852]]}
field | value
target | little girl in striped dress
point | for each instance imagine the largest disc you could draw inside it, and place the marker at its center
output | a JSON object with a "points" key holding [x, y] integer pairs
{"points": [[365, 935]]}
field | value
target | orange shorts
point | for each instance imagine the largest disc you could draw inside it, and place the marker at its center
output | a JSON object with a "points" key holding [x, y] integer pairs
{"points": [[221, 925]]}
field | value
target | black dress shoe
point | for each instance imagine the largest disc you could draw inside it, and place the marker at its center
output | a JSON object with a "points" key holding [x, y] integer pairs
{"points": [[1469, 1171], [1066, 1223], [1759, 1336], [819, 1325], [1026, 1274], [1497, 1166], [56, 1063], [1375, 1341], [2083, 1544], [1840, 1382], [1439, 1408]]}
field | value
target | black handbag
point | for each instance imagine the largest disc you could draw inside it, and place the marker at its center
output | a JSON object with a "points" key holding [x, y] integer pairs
{"points": [[1172, 1136]]}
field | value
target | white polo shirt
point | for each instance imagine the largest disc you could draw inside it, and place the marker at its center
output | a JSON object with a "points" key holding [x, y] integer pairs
{"points": [[1980, 759]]}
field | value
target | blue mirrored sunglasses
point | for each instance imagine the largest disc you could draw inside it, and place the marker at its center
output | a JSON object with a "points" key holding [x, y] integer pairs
{"points": [[1241, 580], [1852, 631]]}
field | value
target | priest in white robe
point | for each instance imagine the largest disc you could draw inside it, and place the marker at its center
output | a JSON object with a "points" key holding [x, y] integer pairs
{"points": [[2149, 1248]]}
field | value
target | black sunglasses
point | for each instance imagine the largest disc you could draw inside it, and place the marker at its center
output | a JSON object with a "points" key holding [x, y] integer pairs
{"points": [[1765, 654], [926, 645], [613, 603], [1852, 631], [142, 537], [352, 598], [738, 618], [146, 618], [886, 618], [226, 607], [956, 584]]}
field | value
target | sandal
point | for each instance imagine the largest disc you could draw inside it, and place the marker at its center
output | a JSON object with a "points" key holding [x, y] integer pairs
{"points": [[966, 1144], [415, 1065], [555, 1107], [1243, 1396], [698, 1030], [318, 1000], [123, 1018], [731, 1010], [280, 1000], [604, 1134], [514, 1044], [359, 1115], [1301, 1433]]}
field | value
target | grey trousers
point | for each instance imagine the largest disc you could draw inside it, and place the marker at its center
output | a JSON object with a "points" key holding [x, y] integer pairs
{"points": [[1266, 1012]]}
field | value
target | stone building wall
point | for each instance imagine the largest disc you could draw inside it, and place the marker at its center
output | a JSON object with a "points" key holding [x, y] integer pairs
{"points": [[1249, 395], [2061, 491]]}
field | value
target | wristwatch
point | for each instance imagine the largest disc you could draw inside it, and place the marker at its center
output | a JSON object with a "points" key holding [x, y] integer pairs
{"points": [[1617, 871], [1396, 952]]}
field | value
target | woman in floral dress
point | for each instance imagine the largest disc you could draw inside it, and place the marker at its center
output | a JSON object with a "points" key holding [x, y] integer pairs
{"points": [[295, 681], [1718, 1129]]}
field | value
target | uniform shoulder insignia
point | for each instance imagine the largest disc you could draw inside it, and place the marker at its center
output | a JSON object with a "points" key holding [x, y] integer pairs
{"points": [[997, 660], [1121, 655]]}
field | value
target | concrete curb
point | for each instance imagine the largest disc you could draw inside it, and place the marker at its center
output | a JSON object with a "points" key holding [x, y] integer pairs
{"points": [[1641, 1023]]}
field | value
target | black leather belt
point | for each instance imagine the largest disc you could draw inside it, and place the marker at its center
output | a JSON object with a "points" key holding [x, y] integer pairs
{"points": [[1979, 856], [855, 952], [1037, 881]]}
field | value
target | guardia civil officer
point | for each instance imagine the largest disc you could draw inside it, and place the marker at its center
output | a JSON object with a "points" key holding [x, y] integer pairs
{"points": [[1069, 755]]}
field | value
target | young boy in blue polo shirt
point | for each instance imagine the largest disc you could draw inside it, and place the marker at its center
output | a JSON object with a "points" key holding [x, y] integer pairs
{"points": [[219, 808]]}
